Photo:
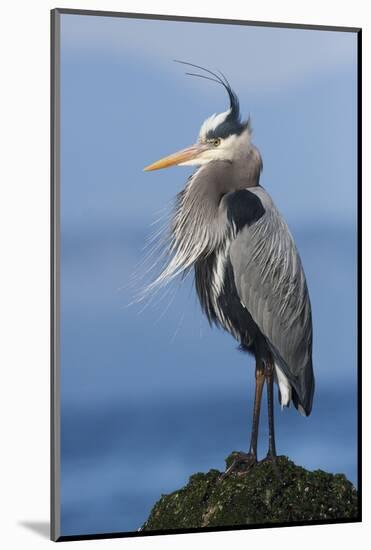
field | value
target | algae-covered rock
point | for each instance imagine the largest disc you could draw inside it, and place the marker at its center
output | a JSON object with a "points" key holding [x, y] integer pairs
{"points": [[268, 493]]}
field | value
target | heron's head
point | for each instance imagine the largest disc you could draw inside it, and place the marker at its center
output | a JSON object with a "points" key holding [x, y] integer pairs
{"points": [[222, 136]]}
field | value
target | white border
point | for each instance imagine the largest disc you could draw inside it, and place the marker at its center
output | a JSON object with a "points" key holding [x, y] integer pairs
{"points": [[24, 234]]}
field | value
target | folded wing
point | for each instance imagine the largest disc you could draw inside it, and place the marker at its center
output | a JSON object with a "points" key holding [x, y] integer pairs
{"points": [[271, 284]]}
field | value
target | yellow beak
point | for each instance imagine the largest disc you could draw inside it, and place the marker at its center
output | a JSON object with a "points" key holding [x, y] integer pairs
{"points": [[184, 155]]}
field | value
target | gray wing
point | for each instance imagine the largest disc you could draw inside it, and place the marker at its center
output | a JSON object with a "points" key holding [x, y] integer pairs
{"points": [[271, 283]]}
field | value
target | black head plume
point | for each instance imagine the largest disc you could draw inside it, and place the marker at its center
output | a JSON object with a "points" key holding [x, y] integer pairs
{"points": [[232, 124]]}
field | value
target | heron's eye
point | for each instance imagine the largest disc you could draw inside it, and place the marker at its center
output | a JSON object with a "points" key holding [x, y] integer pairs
{"points": [[216, 142]]}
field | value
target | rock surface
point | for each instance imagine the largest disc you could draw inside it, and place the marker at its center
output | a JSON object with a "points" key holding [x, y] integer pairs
{"points": [[287, 493]]}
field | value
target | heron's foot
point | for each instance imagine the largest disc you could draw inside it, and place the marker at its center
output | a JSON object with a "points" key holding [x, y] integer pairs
{"points": [[242, 463], [273, 459]]}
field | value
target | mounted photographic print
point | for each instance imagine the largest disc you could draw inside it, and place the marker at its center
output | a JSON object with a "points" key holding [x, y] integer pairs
{"points": [[205, 275]]}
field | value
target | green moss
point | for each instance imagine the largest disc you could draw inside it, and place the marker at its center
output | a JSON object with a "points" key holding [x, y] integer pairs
{"points": [[264, 495]]}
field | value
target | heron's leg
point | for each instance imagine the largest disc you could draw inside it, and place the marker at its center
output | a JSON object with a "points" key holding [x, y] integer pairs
{"points": [[259, 384], [272, 454], [244, 461], [269, 371]]}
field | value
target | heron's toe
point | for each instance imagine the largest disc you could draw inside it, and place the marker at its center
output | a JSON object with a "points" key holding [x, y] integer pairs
{"points": [[241, 464]]}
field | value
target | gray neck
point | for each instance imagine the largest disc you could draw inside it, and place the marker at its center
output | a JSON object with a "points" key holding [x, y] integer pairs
{"points": [[199, 224], [208, 185]]}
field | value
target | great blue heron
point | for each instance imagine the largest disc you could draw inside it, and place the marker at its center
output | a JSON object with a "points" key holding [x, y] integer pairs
{"points": [[248, 273]]}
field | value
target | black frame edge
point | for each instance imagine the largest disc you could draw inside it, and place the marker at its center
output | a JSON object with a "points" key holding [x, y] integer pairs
{"points": [[196, 19], [54, 276], [359, 266]]}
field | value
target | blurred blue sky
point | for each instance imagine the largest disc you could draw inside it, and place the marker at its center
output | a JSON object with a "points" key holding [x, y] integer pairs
{"points": [[151, 395]]}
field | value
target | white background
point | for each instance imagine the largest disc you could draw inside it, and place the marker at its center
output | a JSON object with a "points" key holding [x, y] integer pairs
{"points": [[24, 271]]}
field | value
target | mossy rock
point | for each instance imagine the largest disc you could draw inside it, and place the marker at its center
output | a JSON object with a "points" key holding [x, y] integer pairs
{"points": [[266, 494]]}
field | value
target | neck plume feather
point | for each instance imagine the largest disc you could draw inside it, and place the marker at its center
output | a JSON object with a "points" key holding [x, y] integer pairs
{"points": [[195, 230]]}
